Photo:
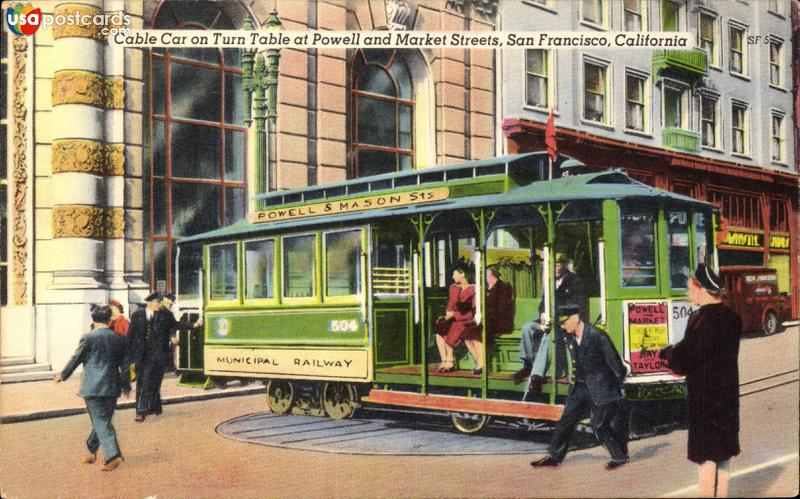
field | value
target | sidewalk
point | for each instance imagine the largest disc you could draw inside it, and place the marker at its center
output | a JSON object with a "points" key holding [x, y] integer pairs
{"points": [[45, 399]]}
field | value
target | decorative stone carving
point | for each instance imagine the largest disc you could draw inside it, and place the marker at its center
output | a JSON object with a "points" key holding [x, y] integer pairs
{"points": [[401, 15], [88, 221], [88, 156], [486, 8], [78, 87], [91, 30], [19, 234], [114, 92]]}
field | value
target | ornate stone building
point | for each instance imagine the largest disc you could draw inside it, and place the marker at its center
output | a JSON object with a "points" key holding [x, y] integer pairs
{"points": [[112, 154]]}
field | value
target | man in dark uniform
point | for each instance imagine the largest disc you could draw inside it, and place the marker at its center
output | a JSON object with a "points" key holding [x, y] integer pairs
{"points": [[599, 374], [708, 355], [150, 335], [569, 291]]}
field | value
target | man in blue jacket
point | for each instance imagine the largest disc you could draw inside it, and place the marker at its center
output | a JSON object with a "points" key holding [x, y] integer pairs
{"points": [[599, 374], [105, 375]]}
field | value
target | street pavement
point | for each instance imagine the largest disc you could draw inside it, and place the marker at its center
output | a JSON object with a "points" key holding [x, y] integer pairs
{"points": [[180, 454]]}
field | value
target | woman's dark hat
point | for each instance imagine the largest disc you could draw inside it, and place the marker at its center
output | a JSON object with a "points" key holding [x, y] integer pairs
{"points": [[153, 297], [170, 297], [708, 279]]}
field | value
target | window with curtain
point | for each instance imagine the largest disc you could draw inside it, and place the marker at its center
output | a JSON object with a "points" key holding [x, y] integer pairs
{"points": [[595, 94], [707, 34], [709, 120], [382, 94], [635, 102], [777, 140], [736, 56], [775, 55], [676, 105], [633, 15], [197, 140], [739, 127], [670, 16], [537, 77]]}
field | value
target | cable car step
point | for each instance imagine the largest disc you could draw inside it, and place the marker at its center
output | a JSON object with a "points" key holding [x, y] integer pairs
{"points": [[531, 410]]}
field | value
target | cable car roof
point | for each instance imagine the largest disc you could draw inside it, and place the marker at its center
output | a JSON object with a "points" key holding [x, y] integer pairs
{"points": [[610, 184]]}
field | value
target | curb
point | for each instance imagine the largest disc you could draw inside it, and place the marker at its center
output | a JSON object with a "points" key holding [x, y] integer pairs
{"points": [[130, 404]]}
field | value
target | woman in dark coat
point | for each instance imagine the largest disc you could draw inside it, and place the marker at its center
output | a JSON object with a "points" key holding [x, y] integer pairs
{"points": [[708, 357]]}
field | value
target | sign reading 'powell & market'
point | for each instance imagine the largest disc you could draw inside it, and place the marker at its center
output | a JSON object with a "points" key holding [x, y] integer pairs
{"points": [[389, 200]]}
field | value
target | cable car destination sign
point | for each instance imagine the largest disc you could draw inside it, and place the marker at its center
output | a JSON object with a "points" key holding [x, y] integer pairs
{"points": [[388, 200]]}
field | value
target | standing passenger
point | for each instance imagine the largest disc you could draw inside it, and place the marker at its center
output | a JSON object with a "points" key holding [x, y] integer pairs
{"points": [[708, 356], [103, 355]]}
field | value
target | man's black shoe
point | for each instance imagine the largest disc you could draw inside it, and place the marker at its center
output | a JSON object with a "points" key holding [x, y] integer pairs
{"points": [[545, 462], [612, 465], [523, 373]]}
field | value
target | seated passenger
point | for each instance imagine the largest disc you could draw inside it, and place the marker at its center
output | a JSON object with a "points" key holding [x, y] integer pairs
{"points": [[499, 305], [569, 291], [458, 324]]}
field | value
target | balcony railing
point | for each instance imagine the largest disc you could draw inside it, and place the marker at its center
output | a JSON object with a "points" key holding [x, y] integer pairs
{"points": [[679, 139], [693, 63]]}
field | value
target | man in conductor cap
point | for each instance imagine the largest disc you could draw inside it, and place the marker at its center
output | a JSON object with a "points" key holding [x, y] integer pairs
{"points": [[708, 357], [150, 335], [597, 387]]}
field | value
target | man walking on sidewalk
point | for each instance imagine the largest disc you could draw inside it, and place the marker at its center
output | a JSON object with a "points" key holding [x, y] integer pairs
{"points": [[599, 374], [105, 374]]}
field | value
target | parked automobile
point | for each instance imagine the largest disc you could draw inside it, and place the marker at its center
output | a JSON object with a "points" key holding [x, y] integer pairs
{"points": [[753, 293]]}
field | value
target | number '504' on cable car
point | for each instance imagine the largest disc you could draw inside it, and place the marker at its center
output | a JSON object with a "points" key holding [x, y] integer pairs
{"points": [[333, 294]]}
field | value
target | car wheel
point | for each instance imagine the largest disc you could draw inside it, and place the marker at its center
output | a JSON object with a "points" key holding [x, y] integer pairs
{"points": [[770, 323]]}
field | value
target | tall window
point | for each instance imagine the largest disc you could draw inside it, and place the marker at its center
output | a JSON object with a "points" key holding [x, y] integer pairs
{"points": [[593, 11], [537, 77], [739, 128], [4, 173], [775, 56], [676, 105], [707, 37], [635, 102], [774, 6], [383, 100], [595, 92], [670, 16], [737, 56], [197, 138], [709, 120], [633, 15], [776, 136]]}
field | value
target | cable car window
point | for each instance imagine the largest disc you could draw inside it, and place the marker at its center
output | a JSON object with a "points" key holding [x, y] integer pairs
{"points": [[343, 263], [189, 268], [511, 249], [678, 234], [441, 253], [259, 265], [577, 241], [391, 260], [701, 236], [638, 248], [223, 271], [299, 266]]}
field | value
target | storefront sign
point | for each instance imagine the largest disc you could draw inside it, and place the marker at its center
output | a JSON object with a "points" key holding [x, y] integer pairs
{"points": [[288, 363], [390, 200], [738, 239], [778, 242], [647, 330]]}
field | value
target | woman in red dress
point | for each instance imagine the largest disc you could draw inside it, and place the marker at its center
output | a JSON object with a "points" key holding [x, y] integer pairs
{"points": [[458, 324], [119, 323]]}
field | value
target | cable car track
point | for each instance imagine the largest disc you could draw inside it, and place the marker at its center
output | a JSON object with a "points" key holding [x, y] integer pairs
{"points": [[773, 381]]}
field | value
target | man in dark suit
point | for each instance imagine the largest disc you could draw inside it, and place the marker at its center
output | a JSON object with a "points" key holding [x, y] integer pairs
{"points": [[534, 345], [499, 305], [105, 375], [599, 374], [150, 334]]}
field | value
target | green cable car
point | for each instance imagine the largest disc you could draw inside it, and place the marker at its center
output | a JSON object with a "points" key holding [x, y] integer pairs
{"points": [[330, 294]]}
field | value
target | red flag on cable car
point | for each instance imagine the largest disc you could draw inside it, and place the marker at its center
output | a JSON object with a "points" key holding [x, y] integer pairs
{"points": [[550, 136]]}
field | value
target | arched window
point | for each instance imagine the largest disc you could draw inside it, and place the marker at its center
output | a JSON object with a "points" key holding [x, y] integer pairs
{"points": [[382, 93], [196, 135]]}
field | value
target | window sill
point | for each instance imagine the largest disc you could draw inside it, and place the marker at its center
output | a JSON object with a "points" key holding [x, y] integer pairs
{"points": [[741, 155], [640, 133], [777, 87], [547, 8], [716, 68], [598, 124], [780, 164], [590, 24], [741, 76], [712, 149], [776, 14], [538, 109]]}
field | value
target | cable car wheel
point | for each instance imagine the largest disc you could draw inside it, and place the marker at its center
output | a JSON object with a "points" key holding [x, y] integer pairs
{"points": [[469, 423], [339, 400], [280, 396]]}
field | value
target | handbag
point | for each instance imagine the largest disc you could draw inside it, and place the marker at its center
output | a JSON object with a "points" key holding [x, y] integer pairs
{"points": [[442, 326]]}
